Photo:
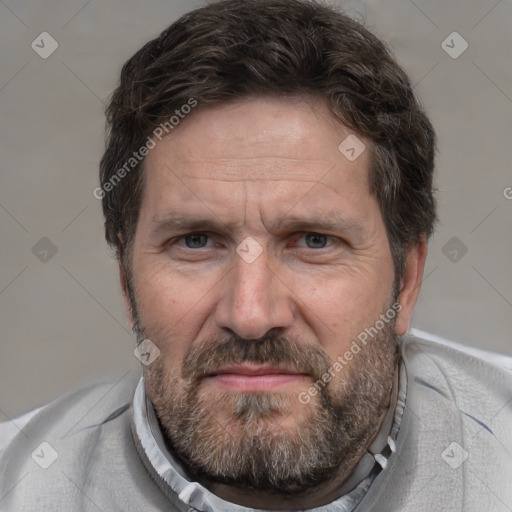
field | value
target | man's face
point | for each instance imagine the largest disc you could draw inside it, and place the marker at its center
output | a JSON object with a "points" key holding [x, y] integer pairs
{"points": [[259, 257]]}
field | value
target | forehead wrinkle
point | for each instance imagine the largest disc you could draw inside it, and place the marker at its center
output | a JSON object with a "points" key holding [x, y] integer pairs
{"points": [[269, 169], [255, 180], [254, 158]]}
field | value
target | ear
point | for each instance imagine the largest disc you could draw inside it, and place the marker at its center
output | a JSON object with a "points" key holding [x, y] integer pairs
{"points": [[126, 296], [410, 284]]}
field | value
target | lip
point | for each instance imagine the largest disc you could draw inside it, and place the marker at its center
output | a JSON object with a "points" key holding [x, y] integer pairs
{"points": [[246, 378], [251, 369]]}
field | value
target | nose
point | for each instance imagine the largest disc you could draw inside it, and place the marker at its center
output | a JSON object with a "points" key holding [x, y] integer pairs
{"points": [[254, 300]]}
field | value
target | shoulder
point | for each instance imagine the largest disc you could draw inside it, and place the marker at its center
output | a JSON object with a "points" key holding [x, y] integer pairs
{"points": [[454, 444], [79, 450], [441, 344], [87, 405], [472, 387], [457, 368], [70, 425]]}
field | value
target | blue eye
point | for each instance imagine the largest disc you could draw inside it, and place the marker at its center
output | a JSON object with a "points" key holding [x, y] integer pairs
{"points": [[196, 240], [316, 240]]}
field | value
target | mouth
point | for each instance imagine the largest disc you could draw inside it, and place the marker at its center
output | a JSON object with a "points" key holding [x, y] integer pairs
{"points": [[255, 378]]}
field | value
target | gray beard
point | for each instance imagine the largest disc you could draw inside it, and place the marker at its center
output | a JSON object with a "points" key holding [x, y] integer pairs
{"points": [[238, 439]]}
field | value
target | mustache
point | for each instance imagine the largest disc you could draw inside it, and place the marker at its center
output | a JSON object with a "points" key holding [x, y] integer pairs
{"points": [[208, 357]]}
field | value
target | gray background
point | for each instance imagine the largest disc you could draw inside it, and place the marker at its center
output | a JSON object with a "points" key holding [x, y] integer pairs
{"points": [[62, 320]]}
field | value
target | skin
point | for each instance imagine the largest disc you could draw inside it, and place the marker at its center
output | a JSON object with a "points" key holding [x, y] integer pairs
{"points": [[248, 165]]}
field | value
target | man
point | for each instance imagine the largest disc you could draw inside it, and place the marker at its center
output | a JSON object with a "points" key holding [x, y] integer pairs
{"points": [[267, 185]]}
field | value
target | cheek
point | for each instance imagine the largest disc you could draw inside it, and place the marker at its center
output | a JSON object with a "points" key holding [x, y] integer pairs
{"points": [[172, 307], [341, 308], [165, 296], [158, 301]]}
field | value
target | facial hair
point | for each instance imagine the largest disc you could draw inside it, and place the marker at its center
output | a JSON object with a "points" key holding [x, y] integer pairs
{"points": [[246, 439]]}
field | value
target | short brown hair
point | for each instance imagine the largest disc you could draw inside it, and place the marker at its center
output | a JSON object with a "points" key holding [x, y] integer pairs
{"points": [[233, 49]]}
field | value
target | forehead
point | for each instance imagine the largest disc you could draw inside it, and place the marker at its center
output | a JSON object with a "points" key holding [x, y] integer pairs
{"points": [[301, 129], [276, 150]]}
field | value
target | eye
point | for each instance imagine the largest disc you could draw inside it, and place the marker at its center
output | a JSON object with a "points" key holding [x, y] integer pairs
{"points": [[195, 240], [316, 240]]}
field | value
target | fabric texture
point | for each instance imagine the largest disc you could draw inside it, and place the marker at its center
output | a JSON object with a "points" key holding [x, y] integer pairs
{"points": [[453, 447]]}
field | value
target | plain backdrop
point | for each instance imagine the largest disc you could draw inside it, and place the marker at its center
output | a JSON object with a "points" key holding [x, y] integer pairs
{"points": [[62, 317]]}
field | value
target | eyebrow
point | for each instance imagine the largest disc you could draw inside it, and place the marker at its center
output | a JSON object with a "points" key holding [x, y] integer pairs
{"points": [[333, 221], [328, 221], [177, 221]]}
